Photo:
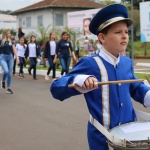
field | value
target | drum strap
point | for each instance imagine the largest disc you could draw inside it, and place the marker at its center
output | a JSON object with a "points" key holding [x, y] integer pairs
{"points": [[114, 140]]}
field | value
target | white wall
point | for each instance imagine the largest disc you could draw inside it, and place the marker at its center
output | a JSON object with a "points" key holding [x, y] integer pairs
{"points": [[48, 19], [10, 25]]}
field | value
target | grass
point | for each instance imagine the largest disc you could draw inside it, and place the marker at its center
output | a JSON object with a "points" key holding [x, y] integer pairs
{"points": [[139, 75], [142, 76], [46, 68], [139, 48]]}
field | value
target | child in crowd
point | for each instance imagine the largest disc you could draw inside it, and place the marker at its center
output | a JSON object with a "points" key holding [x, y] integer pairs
{"points": [[7, 50], [91, 48], [63, 48], [50, 55], [21, 48], [32, 51]]}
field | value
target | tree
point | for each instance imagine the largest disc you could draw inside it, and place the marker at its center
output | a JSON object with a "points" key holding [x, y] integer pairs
{"points": [[106, 2], [5, 12]]}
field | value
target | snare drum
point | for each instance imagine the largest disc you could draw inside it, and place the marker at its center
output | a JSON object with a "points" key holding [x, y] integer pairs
{"points": [[136, 135]]}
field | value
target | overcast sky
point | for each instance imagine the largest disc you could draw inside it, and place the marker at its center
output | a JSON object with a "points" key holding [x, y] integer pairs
{"points": [[17, 4]]}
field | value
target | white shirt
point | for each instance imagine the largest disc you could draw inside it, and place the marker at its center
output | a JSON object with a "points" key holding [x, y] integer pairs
{"points": [[21, 49], [52, 47], [32, 49]]}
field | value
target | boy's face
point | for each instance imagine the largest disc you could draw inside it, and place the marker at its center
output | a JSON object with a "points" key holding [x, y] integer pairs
{"points": [[116, 40]]}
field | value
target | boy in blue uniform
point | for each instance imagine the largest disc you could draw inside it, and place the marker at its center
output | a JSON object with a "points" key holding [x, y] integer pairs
{"points": [[110, 105]]}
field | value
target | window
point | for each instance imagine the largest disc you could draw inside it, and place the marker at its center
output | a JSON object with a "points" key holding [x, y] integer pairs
{"points": [[59, 19], [28, 22], [40, 20], [20, 22]]}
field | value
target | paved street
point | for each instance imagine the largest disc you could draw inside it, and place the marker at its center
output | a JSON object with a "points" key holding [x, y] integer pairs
{"points": [[31, 119]]}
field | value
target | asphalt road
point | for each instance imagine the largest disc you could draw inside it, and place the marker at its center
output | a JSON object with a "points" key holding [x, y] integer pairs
{"points": [[31, 119]]}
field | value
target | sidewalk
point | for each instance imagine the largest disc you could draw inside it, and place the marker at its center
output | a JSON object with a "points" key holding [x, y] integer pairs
{"points": [[38, 72], [138, 63], [141, 63]]}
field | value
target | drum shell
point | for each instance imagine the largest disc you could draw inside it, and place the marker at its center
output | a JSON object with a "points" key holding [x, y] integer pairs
{"points": [[131, 143]]}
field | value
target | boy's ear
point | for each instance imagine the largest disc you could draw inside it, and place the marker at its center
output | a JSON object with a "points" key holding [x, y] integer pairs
{"points": [[101, 37]]}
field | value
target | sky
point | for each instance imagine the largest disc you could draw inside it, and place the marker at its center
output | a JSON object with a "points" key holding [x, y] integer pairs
{"points": [[17, 4]]}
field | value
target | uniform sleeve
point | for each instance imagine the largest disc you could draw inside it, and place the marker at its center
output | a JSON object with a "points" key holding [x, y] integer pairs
{"points": [[59, 88], [138, 90]]}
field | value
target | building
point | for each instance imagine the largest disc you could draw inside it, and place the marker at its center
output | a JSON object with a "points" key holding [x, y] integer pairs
{"points": [[8, 21], [51, 13]]}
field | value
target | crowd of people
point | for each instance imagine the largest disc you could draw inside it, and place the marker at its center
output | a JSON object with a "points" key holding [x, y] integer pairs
{"points": [[14, 53], [91, 46]]}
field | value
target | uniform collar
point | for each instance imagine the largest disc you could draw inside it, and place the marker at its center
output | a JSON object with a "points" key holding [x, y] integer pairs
{"points": [[109, 57]]}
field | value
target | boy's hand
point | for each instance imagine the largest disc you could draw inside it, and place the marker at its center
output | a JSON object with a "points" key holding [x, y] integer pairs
{"points": [[90, 83]]}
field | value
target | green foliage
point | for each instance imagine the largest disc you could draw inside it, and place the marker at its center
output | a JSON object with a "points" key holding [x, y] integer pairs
{"points": [[12, 31], [42, 34], [142, 76], [5, 12], [140, 49], [106, 2], [57, 64]]}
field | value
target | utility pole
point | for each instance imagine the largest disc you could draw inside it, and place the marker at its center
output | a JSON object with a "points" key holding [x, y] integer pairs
{"points": [[132, 33], [144, 43]]}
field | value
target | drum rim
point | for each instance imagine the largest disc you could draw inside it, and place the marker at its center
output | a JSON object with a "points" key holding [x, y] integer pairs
{"points": [[127, 124]]}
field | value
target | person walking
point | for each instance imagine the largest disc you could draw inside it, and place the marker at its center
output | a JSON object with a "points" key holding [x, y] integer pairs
{"points": [[32, 51], [20, 33], [50, 55], [98, 46], [109, 105], [91, 48], [14, 66], [7, 49], [63, 49], [21, 48], [77, 49]]}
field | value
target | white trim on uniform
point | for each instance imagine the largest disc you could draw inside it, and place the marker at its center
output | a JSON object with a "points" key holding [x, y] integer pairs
{"points": [[105, 93]]}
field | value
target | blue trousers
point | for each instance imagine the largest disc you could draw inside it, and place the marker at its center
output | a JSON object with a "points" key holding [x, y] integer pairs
{"points": [[51, 66], [33, 66], [6, 62], [65, 63], [21, 59]]}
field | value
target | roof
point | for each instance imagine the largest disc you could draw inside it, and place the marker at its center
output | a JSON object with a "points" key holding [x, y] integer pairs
{"points": [[86, 4], [5, 18]]}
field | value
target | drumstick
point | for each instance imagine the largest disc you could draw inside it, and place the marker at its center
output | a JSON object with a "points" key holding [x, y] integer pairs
{"points": [[110, 82]]}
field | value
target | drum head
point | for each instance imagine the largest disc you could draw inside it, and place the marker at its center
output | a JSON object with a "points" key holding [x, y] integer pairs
{"points": [[134, 131]]}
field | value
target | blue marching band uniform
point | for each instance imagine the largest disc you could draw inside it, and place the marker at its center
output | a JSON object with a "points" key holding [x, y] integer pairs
{"points": [[110, 105]]}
